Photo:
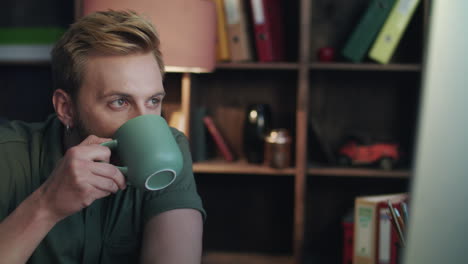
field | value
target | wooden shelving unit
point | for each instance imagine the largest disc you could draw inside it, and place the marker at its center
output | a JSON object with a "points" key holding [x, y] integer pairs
{"points": [[299, 90], [302, 85]]}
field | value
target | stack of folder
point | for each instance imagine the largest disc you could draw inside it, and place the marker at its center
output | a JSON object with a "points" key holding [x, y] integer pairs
{"points": [[379, 30], [379, 228], [250, 30]]}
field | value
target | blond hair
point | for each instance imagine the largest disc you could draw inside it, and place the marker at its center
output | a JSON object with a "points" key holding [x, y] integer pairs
{"points": [[104, 33]]}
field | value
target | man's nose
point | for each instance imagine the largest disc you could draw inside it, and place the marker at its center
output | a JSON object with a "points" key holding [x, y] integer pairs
{"points": [[141, 109]]}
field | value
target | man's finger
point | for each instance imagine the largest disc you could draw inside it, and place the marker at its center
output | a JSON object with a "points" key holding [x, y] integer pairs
{"points": [[102, 183], [90, 153], [110, 172]]}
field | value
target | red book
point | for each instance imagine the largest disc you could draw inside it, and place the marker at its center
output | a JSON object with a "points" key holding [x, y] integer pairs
{"points": [[396, 248], [348, 235], [218, 138], [268, 29]]}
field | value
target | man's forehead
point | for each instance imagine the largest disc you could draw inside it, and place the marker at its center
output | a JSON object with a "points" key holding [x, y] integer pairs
{"points": [[131, 74], [123, 66]]}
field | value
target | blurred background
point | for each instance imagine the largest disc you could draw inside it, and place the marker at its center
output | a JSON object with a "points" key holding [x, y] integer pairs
{"points": [[339, 76]]}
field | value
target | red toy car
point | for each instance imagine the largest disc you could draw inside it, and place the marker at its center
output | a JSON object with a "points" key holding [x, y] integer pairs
{"points": [[384, 154]]}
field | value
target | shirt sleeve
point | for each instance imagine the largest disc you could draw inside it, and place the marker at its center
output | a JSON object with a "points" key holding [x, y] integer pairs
{"points": [[182, 193], [11, 168]]}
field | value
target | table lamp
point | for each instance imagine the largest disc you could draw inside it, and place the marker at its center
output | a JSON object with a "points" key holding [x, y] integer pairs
{"points": [[187, 29]]}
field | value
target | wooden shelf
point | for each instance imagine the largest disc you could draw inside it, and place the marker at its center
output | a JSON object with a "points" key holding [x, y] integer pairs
{"points": [[25, 62], [258, 66], [242, 167], [244, 258], [365, 67], [238, 167], [358, 172]]}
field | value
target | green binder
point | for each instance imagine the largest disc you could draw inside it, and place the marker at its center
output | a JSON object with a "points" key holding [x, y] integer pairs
{"points": [[367, 29], [30, 35]]}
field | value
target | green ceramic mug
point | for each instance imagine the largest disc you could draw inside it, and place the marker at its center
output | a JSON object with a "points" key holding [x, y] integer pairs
{"points": [[151, 157]]}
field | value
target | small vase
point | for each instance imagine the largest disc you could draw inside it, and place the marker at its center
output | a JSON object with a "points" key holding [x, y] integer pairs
{"points": [[256, 126]]}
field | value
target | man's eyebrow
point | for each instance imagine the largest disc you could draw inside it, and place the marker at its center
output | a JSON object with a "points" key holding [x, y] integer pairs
{"points": [[114, 93], [120, 94], [158, 94]]}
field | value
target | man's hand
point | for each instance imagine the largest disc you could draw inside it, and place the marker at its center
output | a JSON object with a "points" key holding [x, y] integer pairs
{"points": [[79, 179]]}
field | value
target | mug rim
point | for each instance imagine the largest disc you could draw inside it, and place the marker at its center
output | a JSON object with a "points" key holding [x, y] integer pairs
{"points": [[160, 188]]}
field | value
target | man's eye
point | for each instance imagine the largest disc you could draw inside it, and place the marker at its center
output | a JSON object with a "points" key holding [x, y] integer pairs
{"points": [[119, 102], [155, 101]]}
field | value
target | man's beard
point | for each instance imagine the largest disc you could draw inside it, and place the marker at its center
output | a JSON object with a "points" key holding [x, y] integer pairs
{"points": [[82, 131]]}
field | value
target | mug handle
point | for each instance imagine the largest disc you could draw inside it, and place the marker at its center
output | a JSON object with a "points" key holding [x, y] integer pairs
{"points": [[113, 145]]}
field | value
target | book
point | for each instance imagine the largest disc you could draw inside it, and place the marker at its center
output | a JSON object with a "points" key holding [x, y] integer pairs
{"points": [[390, 35], [222, 45], [218, 139], [198, 135], [373, 235], [395, 246], [268, 30], [385, 238], [238, 26], [26, 36], [348, 236], [366, 31]]}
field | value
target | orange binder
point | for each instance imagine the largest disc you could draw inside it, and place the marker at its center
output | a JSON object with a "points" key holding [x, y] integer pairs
{"points": [[222, 46], [237, 30], [268, 28]]}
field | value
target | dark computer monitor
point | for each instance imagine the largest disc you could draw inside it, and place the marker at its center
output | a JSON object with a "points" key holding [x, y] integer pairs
{"points": [[438, 227]]}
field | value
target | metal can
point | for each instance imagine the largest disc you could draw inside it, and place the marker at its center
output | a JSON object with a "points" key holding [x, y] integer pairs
{"points": [[278, 149]]}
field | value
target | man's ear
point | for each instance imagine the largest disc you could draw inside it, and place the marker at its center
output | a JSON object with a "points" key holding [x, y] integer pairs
{"points": [[63, 105]]}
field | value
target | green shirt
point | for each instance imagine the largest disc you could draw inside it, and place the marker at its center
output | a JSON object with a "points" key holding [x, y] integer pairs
{"points": [[108, 231]]}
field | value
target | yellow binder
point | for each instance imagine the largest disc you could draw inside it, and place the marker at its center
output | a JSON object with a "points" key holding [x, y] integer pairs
{"points": [[222, 45], [392, 31], [238, 30]]}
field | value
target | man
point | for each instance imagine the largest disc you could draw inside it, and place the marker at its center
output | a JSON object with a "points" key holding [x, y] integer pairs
{"points": [[58, 204]]}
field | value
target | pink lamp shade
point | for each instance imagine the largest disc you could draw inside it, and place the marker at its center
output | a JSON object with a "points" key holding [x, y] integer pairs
{"points": [[187, 29]]}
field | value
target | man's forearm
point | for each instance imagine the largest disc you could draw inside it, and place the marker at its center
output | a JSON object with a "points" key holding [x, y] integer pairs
{"points": [[23, 230]]}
